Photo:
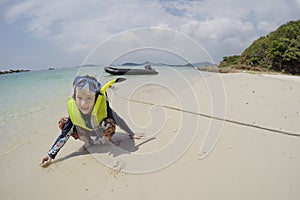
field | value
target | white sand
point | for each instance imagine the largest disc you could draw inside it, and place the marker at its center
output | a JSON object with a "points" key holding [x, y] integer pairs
{"points": [[246, 162]]}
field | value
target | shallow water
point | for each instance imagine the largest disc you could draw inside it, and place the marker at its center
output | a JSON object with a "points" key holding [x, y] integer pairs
{"points": [[24, 94]]}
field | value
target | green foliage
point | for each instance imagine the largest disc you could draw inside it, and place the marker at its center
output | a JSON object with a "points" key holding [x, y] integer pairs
{"points": [[279, 50], [254, 55], [230, 60]]}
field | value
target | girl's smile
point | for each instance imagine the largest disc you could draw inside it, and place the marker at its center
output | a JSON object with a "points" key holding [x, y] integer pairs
{"points": [[85, 100]]}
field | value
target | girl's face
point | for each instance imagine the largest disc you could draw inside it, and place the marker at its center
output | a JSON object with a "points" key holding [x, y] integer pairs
{"points": [[85, 100]]}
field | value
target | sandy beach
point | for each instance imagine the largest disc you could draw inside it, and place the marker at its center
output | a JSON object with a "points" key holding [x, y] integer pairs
{"points": [[255, 152]]}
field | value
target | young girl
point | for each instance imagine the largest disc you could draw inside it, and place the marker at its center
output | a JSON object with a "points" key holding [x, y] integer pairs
{"points": [[89, 115]]}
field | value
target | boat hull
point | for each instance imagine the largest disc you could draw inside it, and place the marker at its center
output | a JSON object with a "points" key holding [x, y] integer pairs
{"points": [[120, 71]]}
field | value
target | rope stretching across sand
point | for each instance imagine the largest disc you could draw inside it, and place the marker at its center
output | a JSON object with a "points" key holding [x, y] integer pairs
{"points": [[215, 118]]}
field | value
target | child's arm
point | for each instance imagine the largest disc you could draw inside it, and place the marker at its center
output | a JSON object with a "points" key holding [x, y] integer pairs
{"points": [[58, 144], [62, 139], [122, 124]]}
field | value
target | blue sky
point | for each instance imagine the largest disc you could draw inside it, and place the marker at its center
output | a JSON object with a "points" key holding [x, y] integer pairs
{"points": [[41, 34]]}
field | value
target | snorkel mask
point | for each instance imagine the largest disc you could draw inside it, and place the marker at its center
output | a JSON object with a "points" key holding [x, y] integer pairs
{"points": [[83, 81], [93, 84]]}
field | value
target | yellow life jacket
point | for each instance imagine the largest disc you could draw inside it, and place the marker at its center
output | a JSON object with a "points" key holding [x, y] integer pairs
{"points": [[99, 111]]}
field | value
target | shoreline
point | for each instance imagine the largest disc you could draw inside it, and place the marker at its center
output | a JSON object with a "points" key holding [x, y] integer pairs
{"points": [[254, 70]]}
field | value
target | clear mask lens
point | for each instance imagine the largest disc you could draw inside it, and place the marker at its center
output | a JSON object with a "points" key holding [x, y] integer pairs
{"points": [[81, 82]]}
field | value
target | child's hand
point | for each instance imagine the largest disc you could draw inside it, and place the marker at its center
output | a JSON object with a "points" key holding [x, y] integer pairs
{"points": [[46, 161], [138, 136]]}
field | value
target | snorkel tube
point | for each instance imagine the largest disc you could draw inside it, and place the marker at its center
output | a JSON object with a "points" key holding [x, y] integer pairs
{"points": [[108, 84]]}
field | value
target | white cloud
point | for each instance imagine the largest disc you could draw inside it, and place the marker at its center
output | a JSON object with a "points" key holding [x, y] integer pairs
{"points": [[154, 41], [69, 22], [222, 26], [17, 11], [266, 26]]}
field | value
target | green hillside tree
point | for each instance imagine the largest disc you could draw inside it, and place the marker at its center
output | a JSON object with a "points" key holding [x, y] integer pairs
{"points": [[279, 50]]}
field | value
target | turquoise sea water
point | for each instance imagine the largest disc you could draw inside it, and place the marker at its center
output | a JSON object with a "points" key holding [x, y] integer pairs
{"points": [[25, 95]]}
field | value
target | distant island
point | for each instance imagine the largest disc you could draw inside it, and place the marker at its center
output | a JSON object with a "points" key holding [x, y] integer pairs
{"points": [[199, 64], [14, 71], [88, 65]]}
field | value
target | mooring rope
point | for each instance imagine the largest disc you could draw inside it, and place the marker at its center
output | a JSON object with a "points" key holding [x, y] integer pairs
{"points": [[214, 117]]}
